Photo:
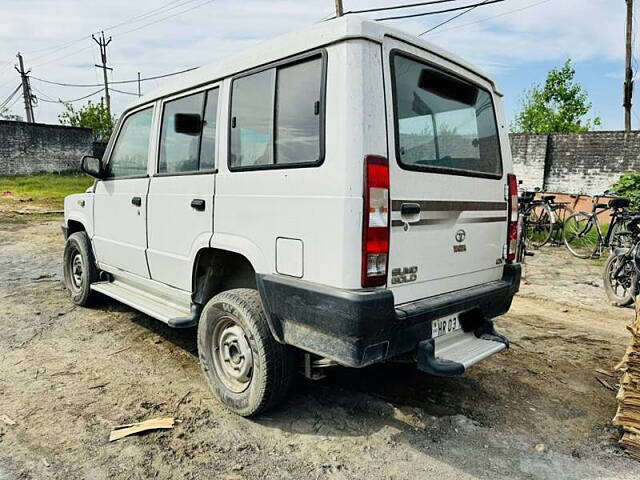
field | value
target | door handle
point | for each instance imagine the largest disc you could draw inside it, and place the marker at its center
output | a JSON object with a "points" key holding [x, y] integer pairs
{"points": [[137, 201], [410, 209], [198, 204]]}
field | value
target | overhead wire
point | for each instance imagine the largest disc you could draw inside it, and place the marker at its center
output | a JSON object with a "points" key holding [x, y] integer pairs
{"points": [[11, 95], [120, 82], [504, 14], [436, 12], [396, 7], [473, 7]]}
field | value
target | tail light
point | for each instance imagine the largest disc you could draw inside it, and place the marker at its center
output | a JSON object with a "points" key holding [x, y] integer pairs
{"points": [[512, 230], [375, 231]]}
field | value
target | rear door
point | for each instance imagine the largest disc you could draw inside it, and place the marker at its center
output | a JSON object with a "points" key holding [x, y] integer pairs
{"points": [[448, 206], [181, 191]]}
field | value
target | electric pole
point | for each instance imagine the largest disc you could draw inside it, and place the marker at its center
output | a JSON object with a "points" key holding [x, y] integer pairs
{"points": [[628, 73], [139, 94], [102, 42], [26, 90], [339, 10]]}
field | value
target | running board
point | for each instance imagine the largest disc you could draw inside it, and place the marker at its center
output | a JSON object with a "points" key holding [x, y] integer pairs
{"points": [[454, 353], [175, 316]]}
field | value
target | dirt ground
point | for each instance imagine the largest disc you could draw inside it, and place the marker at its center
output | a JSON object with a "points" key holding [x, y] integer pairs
{"points": [[68, 375]]}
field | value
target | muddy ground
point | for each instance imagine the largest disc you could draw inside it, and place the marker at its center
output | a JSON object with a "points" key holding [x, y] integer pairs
{"points": [[68, 375]]}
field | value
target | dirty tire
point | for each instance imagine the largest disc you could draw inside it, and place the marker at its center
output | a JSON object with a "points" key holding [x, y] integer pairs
{"points": [[78, 254], [619, 294], [231, 322]]}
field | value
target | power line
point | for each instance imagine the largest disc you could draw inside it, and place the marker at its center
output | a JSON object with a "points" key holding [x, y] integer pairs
{"points": [[453, 9], [490, 18], [112, 83], [452, 18], [126, 93], [11, 95], [395, 7], [70, 101]]}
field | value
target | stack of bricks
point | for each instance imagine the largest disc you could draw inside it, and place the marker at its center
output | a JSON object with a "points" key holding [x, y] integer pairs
{"points": [[628, 414]]}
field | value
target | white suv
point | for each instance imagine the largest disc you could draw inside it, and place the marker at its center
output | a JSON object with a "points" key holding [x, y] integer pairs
{"points": [[341, 195]]}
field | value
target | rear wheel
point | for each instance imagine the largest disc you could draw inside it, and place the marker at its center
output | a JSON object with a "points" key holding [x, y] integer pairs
{"points": [[581, 235], [79, 269], [247, 369], [620, 283], [539, 224]]}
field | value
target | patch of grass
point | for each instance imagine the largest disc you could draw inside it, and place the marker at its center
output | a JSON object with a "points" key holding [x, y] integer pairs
{"points": [[41, 190]]}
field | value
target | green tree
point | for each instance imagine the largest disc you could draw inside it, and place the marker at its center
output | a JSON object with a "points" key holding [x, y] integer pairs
{"points": [[558, 106], [92, 115]]}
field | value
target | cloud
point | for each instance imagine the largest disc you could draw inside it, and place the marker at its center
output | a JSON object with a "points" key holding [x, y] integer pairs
{"points": [[585, 30]]}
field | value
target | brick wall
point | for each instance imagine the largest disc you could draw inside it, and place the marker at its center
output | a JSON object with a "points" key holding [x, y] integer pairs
{"points": [[30, 148], [585, 163]]}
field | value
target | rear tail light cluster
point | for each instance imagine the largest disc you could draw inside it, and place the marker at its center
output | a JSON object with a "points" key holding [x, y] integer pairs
{"points": [[375, 232], [512, 231]]}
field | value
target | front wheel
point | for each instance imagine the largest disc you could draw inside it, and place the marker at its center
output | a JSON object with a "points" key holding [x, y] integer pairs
{"points": [[540, 224], [620, 280], [79, 269], [580, 235], [246, 368]]}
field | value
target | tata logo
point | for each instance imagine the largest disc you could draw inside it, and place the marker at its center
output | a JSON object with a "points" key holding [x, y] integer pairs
{"points": [[460, 236]]}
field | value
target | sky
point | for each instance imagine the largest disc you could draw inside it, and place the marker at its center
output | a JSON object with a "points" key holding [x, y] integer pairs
{"points": [[515, 41]]}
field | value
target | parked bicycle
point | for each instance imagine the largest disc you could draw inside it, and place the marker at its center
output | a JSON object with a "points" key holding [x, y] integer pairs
{"points": [[620, 275], [545, 218], [583, 235], [524, 225]]}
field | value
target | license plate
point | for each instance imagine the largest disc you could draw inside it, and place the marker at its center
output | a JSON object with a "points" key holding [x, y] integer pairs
{"points": [[443, 326]]}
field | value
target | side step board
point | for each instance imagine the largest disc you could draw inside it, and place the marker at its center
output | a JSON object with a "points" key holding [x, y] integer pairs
{"points": [[454, 353], [174, 315]]}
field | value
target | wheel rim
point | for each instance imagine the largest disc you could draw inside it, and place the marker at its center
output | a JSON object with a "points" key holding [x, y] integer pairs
{"points": [[232, 355], [622, 284], [540, 226], [580, 236], [76, 269]]}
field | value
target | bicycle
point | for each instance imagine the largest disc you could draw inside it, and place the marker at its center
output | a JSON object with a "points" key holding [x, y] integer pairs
{"points": [[524, 201], [620, 273], [583, 235], [546, 218]]}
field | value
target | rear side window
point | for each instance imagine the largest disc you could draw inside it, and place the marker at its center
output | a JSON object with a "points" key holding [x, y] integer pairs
{"points": [[443, 123], [276, 117], [131, 150], [187, 138]]}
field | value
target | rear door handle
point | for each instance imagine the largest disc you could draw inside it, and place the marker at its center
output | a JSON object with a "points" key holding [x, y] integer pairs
{"points": [[198, 204], [410, 209], [137, 201]]}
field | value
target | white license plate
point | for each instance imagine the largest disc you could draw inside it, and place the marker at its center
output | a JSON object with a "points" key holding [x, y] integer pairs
{"points": [[443, 326]]}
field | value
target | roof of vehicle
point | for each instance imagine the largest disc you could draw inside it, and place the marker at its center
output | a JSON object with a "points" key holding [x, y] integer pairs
{"points": [[318, 35]]}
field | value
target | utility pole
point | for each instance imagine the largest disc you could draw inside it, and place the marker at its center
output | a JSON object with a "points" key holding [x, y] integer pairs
{"points": [[628, 72], [139, 94], [26, 90], [102, 42], [339, 9]]}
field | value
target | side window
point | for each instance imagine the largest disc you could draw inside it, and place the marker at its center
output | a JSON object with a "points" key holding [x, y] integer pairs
{"points": [[275, 116], [208, 145], [298, 112], [252, 120], [131, 150], [187, 138]]}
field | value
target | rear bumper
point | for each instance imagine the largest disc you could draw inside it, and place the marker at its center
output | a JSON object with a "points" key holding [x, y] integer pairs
{"points": [[359, 328]]}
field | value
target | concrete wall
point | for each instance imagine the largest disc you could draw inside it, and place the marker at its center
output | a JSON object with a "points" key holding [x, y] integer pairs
{"points": [[30, 148], [586, 163]]}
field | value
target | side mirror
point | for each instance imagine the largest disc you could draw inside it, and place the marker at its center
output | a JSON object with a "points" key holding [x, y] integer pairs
{"points": [[187, 123], [92, 166]]}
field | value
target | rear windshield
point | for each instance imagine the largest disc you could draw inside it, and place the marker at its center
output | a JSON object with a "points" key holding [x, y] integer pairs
{"points": [[443, 123]]}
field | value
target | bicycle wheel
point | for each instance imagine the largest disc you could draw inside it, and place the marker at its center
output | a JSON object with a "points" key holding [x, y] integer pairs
{"points": [[620, 236], [539, 224], [581, 235], [562, 212], [620, 288]]}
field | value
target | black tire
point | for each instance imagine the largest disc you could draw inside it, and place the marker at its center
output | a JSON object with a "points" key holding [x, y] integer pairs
{"points": [[79, 268], [540, 224], [581, 235], [232, 332], [621, 291]]}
